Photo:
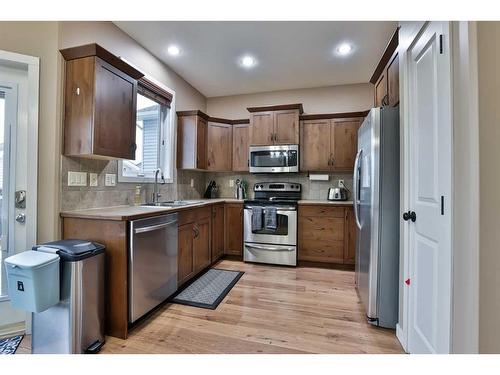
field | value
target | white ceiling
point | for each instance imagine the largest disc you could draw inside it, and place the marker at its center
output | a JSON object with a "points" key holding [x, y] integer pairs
{"points": [[290, 55]]}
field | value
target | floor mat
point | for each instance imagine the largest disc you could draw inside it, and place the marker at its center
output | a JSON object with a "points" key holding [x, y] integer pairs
{"points": [[208, 290], [9, 345]]}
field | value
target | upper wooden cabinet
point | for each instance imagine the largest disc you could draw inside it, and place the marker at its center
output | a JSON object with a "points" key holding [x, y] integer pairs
{"points": [[386, 75], [329, 144], [274, 125], [219, 146], [192, 134], [210, 143], [240, 147], [100, 104]]}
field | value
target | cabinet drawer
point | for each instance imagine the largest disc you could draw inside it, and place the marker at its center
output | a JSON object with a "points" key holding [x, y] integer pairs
{"points": [[321, 211], [193, 214], [320, 250], [321, 228]]}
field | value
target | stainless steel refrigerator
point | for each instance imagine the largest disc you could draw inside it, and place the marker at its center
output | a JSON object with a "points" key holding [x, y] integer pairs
{"points": [[376, 210]]}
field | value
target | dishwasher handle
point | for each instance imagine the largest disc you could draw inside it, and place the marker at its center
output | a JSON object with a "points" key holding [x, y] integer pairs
{"points": [[154, 227]]}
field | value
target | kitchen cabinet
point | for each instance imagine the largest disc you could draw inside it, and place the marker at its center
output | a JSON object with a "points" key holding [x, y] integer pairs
{"points": [[240, 147], [329, 144], [386, 75], [219, 146], [194, 250], [100, 104], [233, 229], [274, 125], [326, 234], [192, 140], [217, 231]]}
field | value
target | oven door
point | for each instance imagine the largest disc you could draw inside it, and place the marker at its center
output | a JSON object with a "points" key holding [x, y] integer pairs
{"points": [[284, 234], [270, 254], [273, 159]]}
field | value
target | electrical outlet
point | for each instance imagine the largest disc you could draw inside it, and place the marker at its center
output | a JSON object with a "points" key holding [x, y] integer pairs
{"points": [[192, 183], [231, 183], [77, 178], [93, 179], [341, 183], [110, 179]]}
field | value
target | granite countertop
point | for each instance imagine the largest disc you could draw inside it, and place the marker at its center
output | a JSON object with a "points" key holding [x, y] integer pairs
{"points": [[122, 213], [326, 202]]}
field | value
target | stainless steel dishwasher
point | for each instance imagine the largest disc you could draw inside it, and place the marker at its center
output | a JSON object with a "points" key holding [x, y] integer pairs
{"points": [[152, 267]]}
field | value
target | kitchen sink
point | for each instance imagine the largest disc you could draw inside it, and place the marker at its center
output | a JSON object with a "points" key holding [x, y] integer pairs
{"points": [[171, 203]]}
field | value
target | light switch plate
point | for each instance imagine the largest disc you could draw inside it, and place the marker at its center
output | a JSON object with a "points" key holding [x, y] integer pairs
{"points": [[110, 179], [77, 178], [93, 179]]}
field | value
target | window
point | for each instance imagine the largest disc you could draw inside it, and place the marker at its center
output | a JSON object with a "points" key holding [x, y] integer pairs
{"points": [[154, 136]]}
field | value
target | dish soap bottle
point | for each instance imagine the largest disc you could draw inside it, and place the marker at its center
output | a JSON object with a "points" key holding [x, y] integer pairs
{"points": [[137, 196]]}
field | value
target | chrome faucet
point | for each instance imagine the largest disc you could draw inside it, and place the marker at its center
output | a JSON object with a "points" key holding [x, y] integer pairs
{"points": [[156, 194]]}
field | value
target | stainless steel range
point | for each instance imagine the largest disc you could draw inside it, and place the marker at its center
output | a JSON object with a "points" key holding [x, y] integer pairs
{"points": [[270, 223]]}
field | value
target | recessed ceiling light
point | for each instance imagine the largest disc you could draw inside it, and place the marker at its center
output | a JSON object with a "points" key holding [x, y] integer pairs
{"points": [[248, 61], [344, 49], [173, 50]]}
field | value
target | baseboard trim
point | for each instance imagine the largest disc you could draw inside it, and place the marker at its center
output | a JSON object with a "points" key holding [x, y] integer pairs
{"points": [[401, 337], [13, 330]]}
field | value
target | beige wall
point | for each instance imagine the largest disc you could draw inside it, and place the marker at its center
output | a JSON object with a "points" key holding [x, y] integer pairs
{"points": [[489, 141], [41, 39], [331, 99]]}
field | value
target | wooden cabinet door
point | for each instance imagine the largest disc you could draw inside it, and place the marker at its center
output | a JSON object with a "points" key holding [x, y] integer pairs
{"points": [[350, 237], [286, 127], [185, 268], [381, 90], [321, 234], [201, 143], [393, 80], [240, 147], [344, 143], [315, 145], [201, 244], [219, 146], [233, 219], [261, 128], [115, 112], [217, 231]]}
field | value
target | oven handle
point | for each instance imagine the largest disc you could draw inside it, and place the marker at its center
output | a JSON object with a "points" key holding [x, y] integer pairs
{"points": [[270, 248]]}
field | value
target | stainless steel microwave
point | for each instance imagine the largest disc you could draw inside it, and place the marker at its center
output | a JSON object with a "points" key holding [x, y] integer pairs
{"points": [[274, 159]]}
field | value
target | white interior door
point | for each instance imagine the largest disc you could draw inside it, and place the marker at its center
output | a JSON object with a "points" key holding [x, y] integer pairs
{"points": [[429, 303]]}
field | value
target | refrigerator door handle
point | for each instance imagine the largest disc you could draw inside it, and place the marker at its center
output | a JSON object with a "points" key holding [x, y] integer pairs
{"points": [[356, 188]]}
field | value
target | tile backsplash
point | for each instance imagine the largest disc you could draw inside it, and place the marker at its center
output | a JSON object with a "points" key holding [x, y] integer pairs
{"points": [[317, 190], [75, 197]]}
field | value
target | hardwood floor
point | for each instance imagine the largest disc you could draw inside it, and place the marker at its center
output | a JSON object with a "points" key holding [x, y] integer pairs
{"points": [[270, 310]]}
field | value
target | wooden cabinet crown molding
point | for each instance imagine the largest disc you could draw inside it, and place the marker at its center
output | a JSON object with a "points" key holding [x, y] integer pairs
{"points": [[327, 116], [95, 49], [279, 107], [197, 112], [388, 52]]}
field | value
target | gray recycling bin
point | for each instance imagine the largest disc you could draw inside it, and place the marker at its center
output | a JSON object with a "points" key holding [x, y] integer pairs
{"points": [[76, 324]]}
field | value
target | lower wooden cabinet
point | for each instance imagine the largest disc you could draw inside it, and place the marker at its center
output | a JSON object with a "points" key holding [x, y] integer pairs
{"points": [[194, 250], [326, 234], [233, 228], [217, 231]]}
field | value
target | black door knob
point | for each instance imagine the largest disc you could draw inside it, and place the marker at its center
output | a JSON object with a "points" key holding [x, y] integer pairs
{"points": [[410, 215]]}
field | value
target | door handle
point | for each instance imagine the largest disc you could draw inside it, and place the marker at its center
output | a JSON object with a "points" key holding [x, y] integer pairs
{"points": [[410, 215]]}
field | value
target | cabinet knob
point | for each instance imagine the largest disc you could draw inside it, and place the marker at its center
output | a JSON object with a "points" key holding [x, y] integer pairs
{"points": [[77, 91]]}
